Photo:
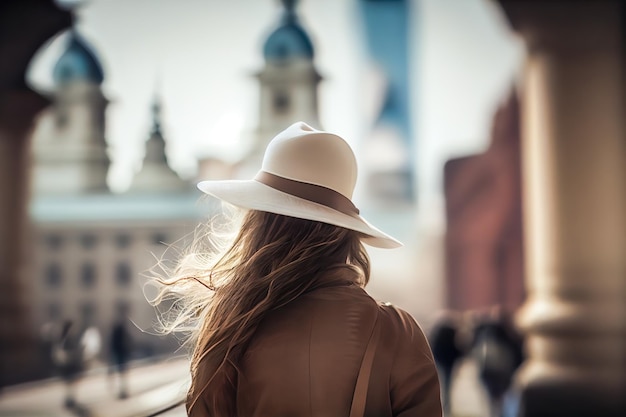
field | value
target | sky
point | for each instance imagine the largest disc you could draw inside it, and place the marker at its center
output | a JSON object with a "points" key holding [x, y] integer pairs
{"points": [[200, 57]]}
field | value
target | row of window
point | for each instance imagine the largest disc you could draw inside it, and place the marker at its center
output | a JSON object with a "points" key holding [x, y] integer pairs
{"points": [[90, 241], [88, 310], [54, 275]]}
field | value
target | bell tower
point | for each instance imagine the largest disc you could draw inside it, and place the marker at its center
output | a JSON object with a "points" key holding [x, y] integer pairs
{"points": [[155, 174], [70, 150], [288, 80]]}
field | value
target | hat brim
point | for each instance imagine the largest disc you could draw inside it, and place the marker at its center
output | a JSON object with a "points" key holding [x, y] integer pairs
{"points": [[251, 194]]}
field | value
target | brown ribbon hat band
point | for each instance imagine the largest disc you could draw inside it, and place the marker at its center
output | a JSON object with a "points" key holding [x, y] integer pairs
{"points": [[311, 192]]}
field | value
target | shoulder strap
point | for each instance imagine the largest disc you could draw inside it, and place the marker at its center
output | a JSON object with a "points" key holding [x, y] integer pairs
{"points": [[362, 382]]}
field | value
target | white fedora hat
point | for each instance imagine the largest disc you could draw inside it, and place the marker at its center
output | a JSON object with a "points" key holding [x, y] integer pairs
{"points": [[308, 174]]}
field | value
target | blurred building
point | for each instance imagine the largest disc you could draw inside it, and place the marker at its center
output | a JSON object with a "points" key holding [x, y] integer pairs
{"points": [[389, 139], [484, 242], [91, 246], [288, 92]]}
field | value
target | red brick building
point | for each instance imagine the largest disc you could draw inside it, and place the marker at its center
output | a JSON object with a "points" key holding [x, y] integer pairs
{"points": [[483, 243]]}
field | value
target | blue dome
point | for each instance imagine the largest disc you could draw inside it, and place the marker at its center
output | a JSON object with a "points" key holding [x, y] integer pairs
{"points": [[289, 40], [78, 62]]}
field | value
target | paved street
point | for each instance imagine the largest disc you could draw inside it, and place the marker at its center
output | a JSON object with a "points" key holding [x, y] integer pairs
{"points": [[152, 387], [468, 399], [159, 386]]}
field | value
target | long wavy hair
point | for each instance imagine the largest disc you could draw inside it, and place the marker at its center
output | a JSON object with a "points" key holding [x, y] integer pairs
{"points": [[219, 297]]}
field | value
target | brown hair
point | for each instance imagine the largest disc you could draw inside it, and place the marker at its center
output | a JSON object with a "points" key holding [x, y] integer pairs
{"points": [[272, 261]]}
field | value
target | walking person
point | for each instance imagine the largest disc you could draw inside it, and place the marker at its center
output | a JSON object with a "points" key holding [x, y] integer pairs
{"points": [[498, 349], [68, 356], [121, 349], [448, 351], [282, 324]]}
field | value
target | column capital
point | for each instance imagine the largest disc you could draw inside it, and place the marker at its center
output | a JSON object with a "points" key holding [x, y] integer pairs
{"points": [[26, 26]]}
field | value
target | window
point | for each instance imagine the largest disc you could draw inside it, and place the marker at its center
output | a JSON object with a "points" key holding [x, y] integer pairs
{"points": [[53, 276], [122, 308], [281, 102], [122, 274], [88, 312], [88, 241], [53, 241], [88, 275], [122, 241], [53, 311]]}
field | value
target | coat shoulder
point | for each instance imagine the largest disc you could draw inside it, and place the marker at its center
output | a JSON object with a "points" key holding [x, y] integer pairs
{"points": [[403, 327]]}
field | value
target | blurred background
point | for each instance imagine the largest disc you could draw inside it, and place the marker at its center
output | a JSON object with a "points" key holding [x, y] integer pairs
{"points": [[490, 140]]}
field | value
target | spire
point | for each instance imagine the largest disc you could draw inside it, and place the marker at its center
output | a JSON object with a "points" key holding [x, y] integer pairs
{"points": [[156, 116], [289, 5], [289, 15], [155, 147], [156, 175]]}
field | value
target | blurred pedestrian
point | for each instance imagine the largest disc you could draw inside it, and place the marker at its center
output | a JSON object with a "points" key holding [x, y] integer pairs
{"points": [[121, 349], [74, 349], [498, 350], [67, 355], [48, 336], [282, 323], [448, 351], [91, 341]]}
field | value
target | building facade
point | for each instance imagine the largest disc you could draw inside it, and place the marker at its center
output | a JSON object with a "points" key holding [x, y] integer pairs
{"points": [[92, 248]]}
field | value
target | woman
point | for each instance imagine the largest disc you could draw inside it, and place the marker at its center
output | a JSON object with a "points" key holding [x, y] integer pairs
{"points": [[284, 327]]}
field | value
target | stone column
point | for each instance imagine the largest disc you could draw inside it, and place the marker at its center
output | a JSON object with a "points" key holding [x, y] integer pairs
{"points": [[18, 350], [38, 21], [573, 162], [20, 359]]}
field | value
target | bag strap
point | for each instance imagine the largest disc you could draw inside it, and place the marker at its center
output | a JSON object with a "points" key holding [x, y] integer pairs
{"points": [[362, 382]]}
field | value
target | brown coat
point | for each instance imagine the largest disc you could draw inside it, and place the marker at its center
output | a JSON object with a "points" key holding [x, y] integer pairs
{"points": [[305, 357]]}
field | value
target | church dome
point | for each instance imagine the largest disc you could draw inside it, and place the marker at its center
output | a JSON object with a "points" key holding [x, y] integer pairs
{"points": [[289, 39], [78, 62]]}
